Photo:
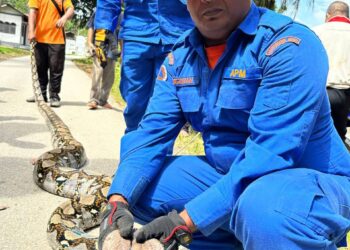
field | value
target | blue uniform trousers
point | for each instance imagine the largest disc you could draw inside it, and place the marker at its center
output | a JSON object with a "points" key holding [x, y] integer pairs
{"points": [[289, 209], [140, 65]]}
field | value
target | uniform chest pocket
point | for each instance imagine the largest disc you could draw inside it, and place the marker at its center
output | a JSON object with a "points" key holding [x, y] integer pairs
{"points": [[188, 94], [238, 90]]}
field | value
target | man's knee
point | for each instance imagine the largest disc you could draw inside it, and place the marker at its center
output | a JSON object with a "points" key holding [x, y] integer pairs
{"points": [[288, 209]]}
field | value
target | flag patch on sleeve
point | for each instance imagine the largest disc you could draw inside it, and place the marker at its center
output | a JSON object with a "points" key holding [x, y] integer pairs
{"points": [[163, 74]]}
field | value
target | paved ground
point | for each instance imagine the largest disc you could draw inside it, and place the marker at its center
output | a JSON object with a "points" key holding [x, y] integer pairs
{"points": [[25, 208]]}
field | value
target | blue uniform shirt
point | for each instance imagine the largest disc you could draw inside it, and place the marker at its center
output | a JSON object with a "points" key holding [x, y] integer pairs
{"points": [[263, 108], [149, 21]]}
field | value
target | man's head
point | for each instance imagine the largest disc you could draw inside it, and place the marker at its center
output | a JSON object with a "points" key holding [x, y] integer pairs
{"points": [[337, 8], [216, 19]]}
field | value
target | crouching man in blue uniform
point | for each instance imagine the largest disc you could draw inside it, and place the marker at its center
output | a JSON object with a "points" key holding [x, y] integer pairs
{"points": [[275, 174], [150, 29]]}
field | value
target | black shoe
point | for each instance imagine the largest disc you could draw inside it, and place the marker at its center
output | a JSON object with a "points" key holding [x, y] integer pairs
{"points": [[55, 102]]}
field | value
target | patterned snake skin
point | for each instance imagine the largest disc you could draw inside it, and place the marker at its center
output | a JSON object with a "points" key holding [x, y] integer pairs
{"points": [[58, 171]]}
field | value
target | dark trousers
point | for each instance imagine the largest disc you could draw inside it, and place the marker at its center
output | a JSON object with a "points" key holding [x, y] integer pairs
{"points": [[50, 57], [340, 104]]}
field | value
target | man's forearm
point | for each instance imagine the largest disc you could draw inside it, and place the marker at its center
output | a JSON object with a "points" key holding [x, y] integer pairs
{"points": [[32, 19], [90, 36], [69, 13], [31, 24]]}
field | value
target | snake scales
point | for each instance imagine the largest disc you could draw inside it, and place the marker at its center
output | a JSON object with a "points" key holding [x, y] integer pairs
{"points": [[59, 172]]}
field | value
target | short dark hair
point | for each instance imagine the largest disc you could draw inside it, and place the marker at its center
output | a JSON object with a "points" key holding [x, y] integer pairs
{"points": [[338, 8]]}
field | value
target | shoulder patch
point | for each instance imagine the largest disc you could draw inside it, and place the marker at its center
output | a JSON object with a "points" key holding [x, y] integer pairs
{"points": [[171, 58], [163, 74], [289, 39]]}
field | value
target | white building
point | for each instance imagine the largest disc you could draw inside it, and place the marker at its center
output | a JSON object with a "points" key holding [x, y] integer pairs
{"points": [[13, 26]]}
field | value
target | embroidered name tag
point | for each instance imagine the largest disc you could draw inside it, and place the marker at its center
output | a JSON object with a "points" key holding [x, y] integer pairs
{"points": [[289, 39], [241, 73], [184, 81]]}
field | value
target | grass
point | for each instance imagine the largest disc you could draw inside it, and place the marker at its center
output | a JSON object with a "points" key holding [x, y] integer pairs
{"points": [[187, 143], [84, 64], [9, 52], [115, 92]]}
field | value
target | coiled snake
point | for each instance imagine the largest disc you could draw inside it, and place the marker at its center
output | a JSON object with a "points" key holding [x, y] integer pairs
{"points": [[59, 172]]}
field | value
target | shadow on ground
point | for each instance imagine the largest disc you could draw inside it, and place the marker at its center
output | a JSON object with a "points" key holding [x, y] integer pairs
{"points": [[8, 129]]}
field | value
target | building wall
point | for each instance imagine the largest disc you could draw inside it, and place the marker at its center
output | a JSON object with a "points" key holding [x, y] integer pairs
{"points": [[11, 38]]}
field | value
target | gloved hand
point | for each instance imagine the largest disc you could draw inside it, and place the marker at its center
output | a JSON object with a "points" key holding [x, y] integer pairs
{"points": [[101, 44], [116, 215], [171, 230]]}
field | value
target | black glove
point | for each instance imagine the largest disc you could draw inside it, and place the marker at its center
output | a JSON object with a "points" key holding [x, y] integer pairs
{"points": [[101, 44], [171, 230], [116, 215]]}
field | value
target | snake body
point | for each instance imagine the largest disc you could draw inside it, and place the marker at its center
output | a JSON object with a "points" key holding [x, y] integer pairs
{"points": [[59, 172]]}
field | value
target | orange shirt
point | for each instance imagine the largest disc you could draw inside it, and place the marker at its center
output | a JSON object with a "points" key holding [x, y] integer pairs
{"points": [[214, 53], [45, 28]]}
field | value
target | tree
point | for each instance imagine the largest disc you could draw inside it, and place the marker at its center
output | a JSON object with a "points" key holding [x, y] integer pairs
{"points": [[271, 4], [83, 10], [20, 5]]}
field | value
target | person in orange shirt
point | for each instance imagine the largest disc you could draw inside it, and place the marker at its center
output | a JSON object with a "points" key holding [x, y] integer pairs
{"points": [[46, 26]]}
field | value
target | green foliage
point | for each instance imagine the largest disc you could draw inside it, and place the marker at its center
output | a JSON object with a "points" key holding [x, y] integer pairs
{"points": [[13, 51], [21, 5], [270, 4], [86, 61], [190, 143], [115, 92], [83, 10]]}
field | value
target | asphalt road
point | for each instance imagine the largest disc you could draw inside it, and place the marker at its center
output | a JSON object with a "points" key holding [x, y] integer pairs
{"points": [[25, 208]]}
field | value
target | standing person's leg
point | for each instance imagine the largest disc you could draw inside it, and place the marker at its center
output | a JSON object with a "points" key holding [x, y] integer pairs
{"points": [[297, 209], [183, 178], [97, 73], [56, 62], [107, 83], [137, 80], [42, 64], [340, 103]]}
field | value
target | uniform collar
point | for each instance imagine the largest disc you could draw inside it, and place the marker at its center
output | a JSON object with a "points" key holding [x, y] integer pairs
{"points": [[250, 23]]}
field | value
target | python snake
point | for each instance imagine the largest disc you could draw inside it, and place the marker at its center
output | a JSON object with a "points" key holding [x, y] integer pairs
{"points": [[59, 172]]}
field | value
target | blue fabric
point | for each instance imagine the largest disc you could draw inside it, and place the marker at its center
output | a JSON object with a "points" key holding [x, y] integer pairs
{"points": [[193, 176], [151, 21], [261, 110], [140, 65], [299, 209], [272, 209]]}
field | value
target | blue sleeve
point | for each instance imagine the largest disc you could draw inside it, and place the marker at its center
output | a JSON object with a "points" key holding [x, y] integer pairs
{"points": [[286, 107], [143, 151], [107, 13]]}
